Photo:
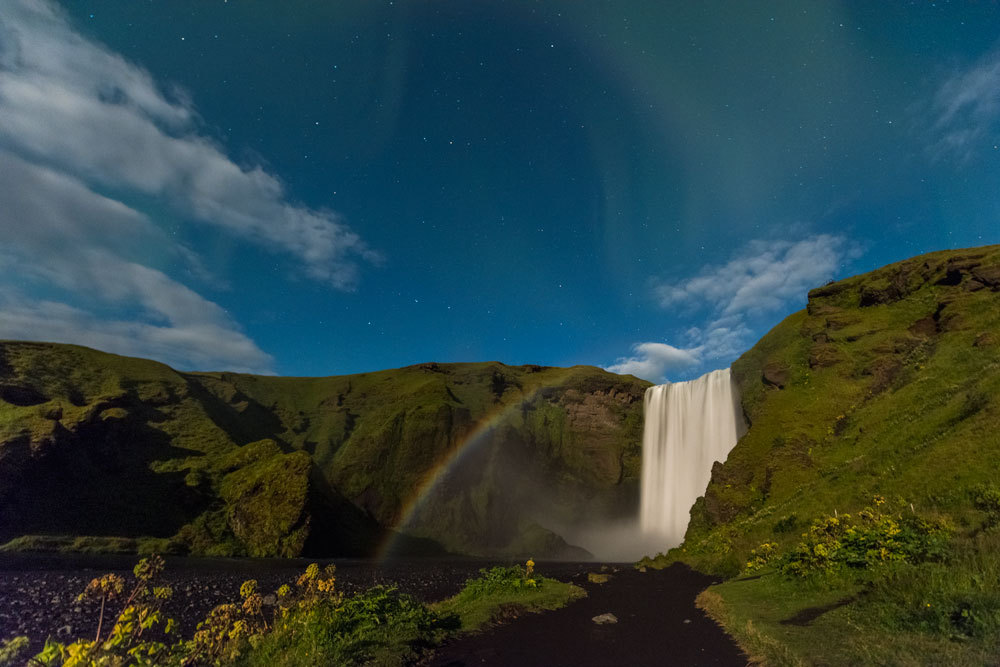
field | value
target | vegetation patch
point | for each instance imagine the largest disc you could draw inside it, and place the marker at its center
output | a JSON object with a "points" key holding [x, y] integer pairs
{"points": [[308, 623], [502, 592], [242, 465], [888, 390]]}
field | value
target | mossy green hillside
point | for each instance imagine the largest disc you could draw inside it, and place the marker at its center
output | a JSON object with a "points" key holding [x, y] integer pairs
{"points": [[224, 464], [886, 386], [888, 383]]}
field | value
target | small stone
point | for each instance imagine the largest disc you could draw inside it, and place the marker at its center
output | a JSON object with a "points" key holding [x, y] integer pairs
{"points": [[270, 600], [604, 619], [687, 620], [643, 569], [984, 340]]}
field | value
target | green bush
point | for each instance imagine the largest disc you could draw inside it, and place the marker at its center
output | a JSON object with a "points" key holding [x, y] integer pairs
{"points": [[958, 600], [761, 557], [311, 622], [10, 649], [380, 626], [499, 580], [868, 539], [986, 499]]}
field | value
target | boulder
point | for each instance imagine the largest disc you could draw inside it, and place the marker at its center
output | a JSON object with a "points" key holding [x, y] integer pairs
{"points": [[775, 374]]}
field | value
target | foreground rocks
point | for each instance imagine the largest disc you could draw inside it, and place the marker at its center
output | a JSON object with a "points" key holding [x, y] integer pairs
{"points": [[38, 593]]}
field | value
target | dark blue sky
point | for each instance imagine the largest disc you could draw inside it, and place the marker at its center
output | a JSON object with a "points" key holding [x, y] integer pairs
{"points": [[325, 188]]}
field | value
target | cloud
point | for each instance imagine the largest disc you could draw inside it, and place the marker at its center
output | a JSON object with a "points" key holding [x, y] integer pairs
{"points": [[652, 361], [72, 104], [966, 108], [201, 345], [762, 279], [61, 237], [765, 277]]}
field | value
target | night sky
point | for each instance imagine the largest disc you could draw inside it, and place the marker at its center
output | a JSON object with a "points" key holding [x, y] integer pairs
{"points": [[338, 187]]}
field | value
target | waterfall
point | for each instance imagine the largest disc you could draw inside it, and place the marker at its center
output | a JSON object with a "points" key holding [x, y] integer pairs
{"points": [[688, 426]]}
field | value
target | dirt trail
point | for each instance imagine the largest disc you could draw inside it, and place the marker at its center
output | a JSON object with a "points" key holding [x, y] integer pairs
{"points": [[658, 624]]}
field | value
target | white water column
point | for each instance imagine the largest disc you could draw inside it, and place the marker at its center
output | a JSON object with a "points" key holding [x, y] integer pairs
{"points": [[688, 426]]}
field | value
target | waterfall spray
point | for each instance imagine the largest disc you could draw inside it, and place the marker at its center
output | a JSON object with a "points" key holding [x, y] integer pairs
{"points": [[688, 426]]}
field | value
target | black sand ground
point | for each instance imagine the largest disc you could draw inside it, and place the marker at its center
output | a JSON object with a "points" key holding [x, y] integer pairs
{"points": [[658, 624], [38, 591]]}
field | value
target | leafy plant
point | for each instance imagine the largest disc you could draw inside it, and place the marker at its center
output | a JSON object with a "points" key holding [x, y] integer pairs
{"points": [[761, 557], [10, 649], [868, 539], [986, 499], [501, 579]]}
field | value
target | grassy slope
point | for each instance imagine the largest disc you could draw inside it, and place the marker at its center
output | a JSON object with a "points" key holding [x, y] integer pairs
{"points": [[224, 463], [891, 386]]}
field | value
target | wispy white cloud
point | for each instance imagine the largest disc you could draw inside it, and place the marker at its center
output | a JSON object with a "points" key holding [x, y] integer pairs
{"points": [[965, 111], [196, 345], [78, 121], [77, 243], [765, 277], [653, 361], [70, 103]]}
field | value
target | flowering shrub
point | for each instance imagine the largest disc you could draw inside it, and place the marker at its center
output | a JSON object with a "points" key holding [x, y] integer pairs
{"points": [[502, 579], [868, 539], [761, 556], [986, 499], [10, 649], [309, 622], [124, 643]]}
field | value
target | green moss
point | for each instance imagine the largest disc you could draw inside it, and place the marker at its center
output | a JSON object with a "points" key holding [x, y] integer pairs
{"points": [[141, 450], [893, 388], [266, 504], [486, 597], [909, 410]]}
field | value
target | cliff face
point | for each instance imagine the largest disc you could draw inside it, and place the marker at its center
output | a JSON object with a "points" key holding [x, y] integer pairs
{"points": [[887, 383], [96, 445]]}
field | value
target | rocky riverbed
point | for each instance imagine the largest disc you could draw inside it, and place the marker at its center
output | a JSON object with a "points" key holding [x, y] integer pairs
{"points": [[38, 592]]}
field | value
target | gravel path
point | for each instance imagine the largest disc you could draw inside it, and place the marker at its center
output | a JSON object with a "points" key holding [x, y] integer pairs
{"points": [[656, 623]]}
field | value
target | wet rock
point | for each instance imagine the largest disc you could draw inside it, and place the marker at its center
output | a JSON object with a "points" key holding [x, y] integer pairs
{"points": [[830, 289], [984, 339], [973, 286], [54, 413], [952, 277], [988, 276], [925, 326], [884, 371], [821, 356], [21, 395], [605, 619], [775, 374]]}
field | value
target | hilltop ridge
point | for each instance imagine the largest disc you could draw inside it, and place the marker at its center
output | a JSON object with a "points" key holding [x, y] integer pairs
{"points": [[147, 457]]}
